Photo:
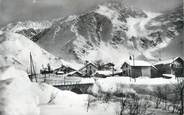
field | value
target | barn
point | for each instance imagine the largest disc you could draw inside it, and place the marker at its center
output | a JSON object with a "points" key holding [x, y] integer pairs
{"points": [[138, 68], [173, 66], [88, 70]]}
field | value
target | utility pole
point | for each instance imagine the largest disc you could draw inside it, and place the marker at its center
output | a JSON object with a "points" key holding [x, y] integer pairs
{"points": [[133, 59], [32, 69], [182, 46]]}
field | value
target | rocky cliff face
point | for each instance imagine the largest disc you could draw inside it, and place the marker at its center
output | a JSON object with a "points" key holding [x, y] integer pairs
{"points": [[111, 32]]}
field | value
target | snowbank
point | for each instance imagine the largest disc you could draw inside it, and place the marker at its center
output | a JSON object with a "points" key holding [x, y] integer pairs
{"points": [[111, 85], [123, 84], [19, 96], [16, 97]]}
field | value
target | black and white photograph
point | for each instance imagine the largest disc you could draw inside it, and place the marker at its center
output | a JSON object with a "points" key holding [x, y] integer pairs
{"points": [[91, 57]]}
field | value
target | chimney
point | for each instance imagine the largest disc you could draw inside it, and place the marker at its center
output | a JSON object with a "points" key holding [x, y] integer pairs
{"points": [[86, 62]]}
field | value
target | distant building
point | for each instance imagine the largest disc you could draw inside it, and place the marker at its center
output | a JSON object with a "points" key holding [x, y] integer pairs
{"points": [[173, 67], [88, 70], [108, 66], [63, 70], [103, 74], [138, 68]]}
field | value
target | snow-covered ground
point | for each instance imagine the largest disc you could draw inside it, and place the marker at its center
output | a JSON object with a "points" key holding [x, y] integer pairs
{"points": [[16, 97], [99, 108], [124, 84], [19, 96]]}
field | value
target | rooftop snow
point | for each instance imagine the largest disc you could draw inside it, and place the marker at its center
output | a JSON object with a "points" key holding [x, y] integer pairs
{"points": [[138, 63], [104, 72], [166, 61]]}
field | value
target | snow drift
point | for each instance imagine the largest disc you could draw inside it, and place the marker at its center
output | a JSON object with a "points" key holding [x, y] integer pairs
{"points": [[19, 96], [16, 96]]}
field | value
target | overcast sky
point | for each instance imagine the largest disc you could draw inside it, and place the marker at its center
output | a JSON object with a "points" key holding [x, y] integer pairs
{"points": [[14, 10]]}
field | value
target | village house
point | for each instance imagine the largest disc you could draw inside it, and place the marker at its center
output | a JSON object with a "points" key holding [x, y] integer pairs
{"points": [[63, 70], [137, 68], [108, 66], [105, 70], [171, 67], [88, 70]]}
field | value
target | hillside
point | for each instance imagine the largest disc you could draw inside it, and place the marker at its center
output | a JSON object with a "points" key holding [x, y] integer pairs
{"points": [[15, 50]]}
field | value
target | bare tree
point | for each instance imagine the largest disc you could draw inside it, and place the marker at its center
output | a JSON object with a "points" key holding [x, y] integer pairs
{"points": [[158, 94], [123, 104], [135, 106], [90, 102], [179, 89], [52, 97]]}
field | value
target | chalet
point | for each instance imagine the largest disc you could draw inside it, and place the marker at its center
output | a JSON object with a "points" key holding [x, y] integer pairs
{"points": [[88, 70], [171, 67], [108, 66], [63, 70], [138, 68]]}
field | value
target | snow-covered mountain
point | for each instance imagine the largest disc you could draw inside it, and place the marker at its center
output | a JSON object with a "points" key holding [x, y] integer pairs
{"points": [[110, 32], [15, 50]]}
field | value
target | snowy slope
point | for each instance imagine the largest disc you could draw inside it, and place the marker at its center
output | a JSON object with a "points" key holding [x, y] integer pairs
{"points": [[15, 49]]}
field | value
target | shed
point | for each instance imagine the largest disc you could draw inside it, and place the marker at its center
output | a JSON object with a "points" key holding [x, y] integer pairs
{"points": [[138, 68]]}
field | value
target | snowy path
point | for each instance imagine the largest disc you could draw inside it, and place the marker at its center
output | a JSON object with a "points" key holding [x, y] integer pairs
{"points": [[100, 109]]}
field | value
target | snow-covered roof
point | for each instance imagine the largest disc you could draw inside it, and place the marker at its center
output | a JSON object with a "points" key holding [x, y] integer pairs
{"points": [[73, 72], [64, 67], [73, 65], [167, 61], [104, 72], [88, 65], [138, 63], [169, 75]]}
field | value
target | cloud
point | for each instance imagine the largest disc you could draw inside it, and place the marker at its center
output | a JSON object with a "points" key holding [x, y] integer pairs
{"points": [[14, 10]]}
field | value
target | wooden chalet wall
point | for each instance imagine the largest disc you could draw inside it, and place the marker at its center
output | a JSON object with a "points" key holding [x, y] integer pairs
{"points": [[176, 67], [88, 70]]}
